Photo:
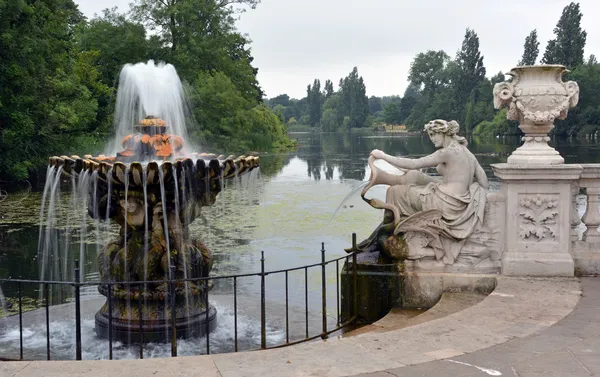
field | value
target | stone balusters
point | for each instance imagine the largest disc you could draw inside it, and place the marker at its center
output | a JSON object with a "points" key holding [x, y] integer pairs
{"points": [[591, 218], [590, 180], [575, 217], [586, 252]]}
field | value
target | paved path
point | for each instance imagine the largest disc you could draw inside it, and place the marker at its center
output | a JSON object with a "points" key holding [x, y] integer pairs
{"points": [[526, 327], [570, 348]]}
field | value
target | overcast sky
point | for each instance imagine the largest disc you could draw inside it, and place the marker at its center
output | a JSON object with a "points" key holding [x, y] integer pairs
{"points": [[296, 41]]}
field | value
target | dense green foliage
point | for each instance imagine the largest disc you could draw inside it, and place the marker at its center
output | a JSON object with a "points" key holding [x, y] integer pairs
{"points": [[457, 88], [237, 123], [48, 89], [59, 75]]}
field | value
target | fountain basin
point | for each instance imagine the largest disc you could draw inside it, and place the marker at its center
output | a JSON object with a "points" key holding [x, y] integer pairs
{"points": [[155, 331]]}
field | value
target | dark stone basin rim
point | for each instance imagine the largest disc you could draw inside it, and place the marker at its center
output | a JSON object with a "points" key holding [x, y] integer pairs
{"points": [[200, 170]]}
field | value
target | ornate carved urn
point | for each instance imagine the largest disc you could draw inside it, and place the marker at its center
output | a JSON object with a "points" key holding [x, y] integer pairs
{"points": [[536, 96]]}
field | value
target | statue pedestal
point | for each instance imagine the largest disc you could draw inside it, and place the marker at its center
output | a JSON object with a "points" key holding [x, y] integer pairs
{"points": [[377, 289], [538, 218]]}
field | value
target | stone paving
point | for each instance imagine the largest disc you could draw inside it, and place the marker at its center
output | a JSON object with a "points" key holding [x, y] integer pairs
{"points": [[526, 327], [570, 348]]}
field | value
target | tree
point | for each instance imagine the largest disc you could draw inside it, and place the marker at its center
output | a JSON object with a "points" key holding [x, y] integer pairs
{"points": [[201, 35], [237, 123], [409, 101], [567, 47], [117, 40], [426, 70], [279, 111], [282, 99], [328, 89], [497, 78], [469, 58], [47, 105], [292, 122], [470, 72], [112, 41], [392, 113], [333, 116], [354, 101], [166, 16], [315, 102], [530, 49], [499, 125], [375, 104]]}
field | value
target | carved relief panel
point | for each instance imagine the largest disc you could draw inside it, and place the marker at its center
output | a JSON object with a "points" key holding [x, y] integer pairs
{"points": [[538, 217]]}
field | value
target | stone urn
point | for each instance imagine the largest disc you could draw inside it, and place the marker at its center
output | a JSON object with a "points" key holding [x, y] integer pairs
{"points": [[536, 96]]}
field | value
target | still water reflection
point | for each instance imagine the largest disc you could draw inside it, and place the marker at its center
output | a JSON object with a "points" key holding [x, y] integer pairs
{"points": [[287, 211]]}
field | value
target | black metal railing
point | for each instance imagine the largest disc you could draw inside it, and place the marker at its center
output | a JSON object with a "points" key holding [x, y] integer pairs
{"points": [[322, 332]]}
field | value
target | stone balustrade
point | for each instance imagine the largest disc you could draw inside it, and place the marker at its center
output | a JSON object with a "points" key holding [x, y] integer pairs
{"points": [[585, 246]]}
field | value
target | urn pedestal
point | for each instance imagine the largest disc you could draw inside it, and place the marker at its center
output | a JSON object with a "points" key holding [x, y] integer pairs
{"points": [[536, 96], [538, 218]]}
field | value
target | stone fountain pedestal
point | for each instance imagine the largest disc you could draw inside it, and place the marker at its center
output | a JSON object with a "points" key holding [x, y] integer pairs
{"points": [[156, 331]]}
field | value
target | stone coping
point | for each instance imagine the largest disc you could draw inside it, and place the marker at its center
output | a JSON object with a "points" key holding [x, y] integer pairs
{"points": [[518, 307]]}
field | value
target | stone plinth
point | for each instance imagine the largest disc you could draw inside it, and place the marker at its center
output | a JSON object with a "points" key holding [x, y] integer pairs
{"points": [[382, 287], [538, 218], [377, 288]]}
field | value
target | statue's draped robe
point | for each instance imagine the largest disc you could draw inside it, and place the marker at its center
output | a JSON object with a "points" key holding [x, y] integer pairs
{"points": [[462, 214]]}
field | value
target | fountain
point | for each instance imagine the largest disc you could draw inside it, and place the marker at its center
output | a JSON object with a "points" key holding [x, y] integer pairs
{"points": [[153, 189]]}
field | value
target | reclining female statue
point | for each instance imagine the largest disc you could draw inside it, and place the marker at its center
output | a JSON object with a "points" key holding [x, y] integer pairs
{"points": [[445, 209]]}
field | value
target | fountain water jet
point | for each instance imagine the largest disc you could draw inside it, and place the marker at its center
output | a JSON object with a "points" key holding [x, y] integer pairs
{"points": [[153, 189]]}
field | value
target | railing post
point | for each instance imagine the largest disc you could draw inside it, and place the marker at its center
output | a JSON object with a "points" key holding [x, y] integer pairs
{"points": [[354, 276], [77, 313], [324, 290], [337, 290], [110, 320], [263, 320], [47, 299], [173, 313], [235, 319], [20, 322], [207, 316], [141, 320], [287, 309], [306, 300]]}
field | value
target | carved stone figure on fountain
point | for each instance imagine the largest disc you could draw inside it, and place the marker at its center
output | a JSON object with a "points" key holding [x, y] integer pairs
{"points": [[429, 217]]}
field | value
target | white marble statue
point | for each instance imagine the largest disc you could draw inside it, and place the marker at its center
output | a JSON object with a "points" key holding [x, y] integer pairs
{"points": [[429, 216]]}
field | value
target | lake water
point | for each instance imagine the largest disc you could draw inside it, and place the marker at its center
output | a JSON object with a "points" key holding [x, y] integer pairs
{"points": [[287, 212]]}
